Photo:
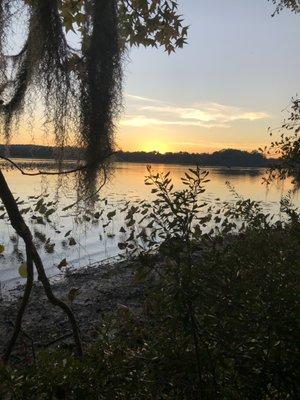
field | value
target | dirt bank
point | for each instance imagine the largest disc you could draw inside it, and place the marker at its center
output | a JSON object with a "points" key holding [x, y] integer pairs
{"points": [[102, 289]]}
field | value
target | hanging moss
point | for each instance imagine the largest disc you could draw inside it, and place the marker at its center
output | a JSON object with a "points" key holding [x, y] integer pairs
{"points": [[101, 81], [86, 100]]}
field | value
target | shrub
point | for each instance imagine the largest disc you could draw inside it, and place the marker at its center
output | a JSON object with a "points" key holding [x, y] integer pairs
{"points": [[220, 317]]}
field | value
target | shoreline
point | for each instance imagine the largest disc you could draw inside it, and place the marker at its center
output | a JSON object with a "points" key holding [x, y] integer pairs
{"points": [[42, 162], [102, 289]]}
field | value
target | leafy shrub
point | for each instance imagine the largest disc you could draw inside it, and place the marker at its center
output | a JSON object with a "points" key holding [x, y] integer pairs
{"points": [[220, 318]]}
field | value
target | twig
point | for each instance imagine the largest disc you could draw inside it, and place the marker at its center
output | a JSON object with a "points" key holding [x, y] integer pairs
{"points": [[66, 336]]}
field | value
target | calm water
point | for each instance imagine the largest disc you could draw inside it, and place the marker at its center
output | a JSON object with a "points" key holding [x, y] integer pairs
{"points": [[95, 243]]}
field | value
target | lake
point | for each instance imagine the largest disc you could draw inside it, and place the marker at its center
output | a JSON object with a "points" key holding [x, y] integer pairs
{"points": [[93, 242]]}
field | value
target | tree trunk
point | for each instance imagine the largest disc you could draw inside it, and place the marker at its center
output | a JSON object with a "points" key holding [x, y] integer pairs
{"points": [[18, 223]]}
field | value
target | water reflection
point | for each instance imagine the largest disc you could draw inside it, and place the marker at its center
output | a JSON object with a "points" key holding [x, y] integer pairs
{"points": [[126, 183]]}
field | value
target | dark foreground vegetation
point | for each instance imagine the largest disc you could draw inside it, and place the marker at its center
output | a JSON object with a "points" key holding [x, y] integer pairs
{"points": [[225, 157], [219, 316]]}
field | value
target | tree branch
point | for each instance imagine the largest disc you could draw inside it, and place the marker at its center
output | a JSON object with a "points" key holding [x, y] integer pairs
{"points": [[21, 311], [70, 171], [23, 231]]}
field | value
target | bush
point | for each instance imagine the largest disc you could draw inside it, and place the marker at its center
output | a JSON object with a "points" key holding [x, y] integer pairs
{"points": [[220, 318]]}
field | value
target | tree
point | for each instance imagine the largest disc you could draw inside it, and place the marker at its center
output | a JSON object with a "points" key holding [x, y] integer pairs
{"points": [[293, 5], [286, 148], [80, 88]]}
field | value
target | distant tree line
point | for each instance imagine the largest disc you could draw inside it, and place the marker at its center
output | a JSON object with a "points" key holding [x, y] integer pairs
{"points": [[225, 157]]}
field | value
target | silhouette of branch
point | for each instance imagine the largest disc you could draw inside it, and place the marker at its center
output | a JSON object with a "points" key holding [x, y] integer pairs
{"points": [[65, 172], [33, 257], [21, 311]]}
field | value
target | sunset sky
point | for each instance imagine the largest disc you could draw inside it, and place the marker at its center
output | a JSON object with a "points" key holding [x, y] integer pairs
{"points": [[224, 89]]}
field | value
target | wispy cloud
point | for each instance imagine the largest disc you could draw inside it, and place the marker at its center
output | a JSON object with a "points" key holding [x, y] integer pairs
{"points": [[140, 98], [205, 114], [139, 121]]}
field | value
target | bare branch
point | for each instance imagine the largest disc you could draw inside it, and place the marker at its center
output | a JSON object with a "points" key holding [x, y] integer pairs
{"points": [[70, 171]]}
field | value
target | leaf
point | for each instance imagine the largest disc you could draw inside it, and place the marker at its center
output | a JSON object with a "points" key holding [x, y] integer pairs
{"points": [[39, 204], [25, 210], [73, 293], [49, 212], [111, 214], [130, 223], [2, 248], [40, 221], [72, 241], [62, 264], [49, 247], [97, 215], [23, 270]]}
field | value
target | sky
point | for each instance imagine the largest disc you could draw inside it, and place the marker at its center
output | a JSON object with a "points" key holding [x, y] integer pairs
{"points": [[230, 83]]}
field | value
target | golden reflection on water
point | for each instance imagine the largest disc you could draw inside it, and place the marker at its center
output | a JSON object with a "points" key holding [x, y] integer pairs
{"points": [[127, 181]]}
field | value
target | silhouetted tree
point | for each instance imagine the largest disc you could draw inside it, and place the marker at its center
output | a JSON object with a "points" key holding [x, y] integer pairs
{"points": [[80, 89], [293, 5], [287, 147]]}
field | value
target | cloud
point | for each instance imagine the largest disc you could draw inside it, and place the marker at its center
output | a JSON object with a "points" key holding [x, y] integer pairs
{"points": [[207, 113], [204, 115], [139, 121], [140, 98]]}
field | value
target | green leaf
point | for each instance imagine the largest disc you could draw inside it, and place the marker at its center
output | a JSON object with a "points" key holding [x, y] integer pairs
{"points": [[23, 270], [2, 248]]}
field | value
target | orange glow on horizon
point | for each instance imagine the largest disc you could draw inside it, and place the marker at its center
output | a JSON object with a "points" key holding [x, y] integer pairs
{"points": [[150, 139]]}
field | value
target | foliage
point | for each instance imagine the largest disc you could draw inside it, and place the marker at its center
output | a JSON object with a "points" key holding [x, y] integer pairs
{"points": [[80, 88], [293, 5], [287, 147], [219, 320], [44, 214], [142, 22], [225, 157]]}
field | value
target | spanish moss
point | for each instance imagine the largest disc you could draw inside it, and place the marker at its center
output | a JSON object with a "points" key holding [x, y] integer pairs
{"points": [[101, 82], [79, 103]]}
